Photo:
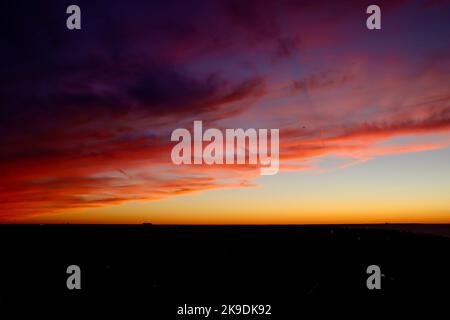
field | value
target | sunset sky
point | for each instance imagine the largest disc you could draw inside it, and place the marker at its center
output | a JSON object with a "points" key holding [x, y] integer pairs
{"points": [[86, 116]]}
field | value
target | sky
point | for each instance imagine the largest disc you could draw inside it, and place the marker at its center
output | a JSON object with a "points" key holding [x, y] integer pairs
{"points": [[86, 115]]}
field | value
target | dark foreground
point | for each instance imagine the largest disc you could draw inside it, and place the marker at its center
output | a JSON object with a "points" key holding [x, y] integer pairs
{"points": [[156, 269]]}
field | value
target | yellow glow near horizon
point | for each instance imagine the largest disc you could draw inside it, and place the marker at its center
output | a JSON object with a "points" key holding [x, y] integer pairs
{"points": [[384, 190]]}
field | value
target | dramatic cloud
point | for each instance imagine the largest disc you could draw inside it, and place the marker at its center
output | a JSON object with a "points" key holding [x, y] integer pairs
{"points": [[86, 116]]}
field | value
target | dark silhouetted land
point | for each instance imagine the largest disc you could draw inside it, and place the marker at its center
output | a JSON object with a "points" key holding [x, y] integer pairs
{"points": [[157, 268]]}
